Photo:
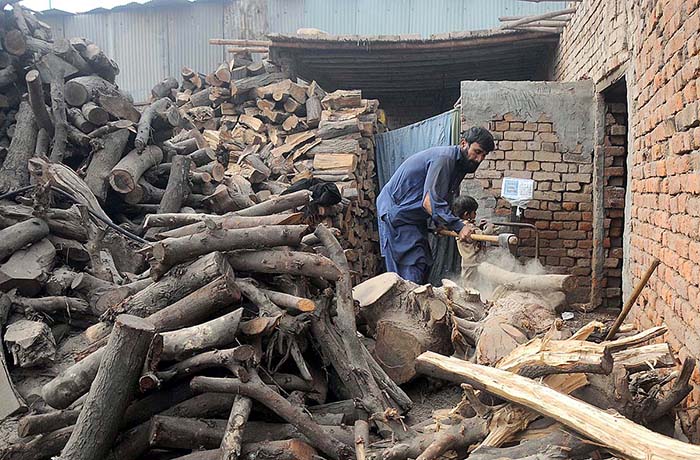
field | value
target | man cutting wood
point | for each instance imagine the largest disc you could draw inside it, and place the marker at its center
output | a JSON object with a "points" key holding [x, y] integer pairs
{"points": [[419, 192]]}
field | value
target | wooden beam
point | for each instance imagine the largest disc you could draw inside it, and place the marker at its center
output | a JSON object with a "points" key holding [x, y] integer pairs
{"points": [[618, 434], [539, 17], [239, 42]]}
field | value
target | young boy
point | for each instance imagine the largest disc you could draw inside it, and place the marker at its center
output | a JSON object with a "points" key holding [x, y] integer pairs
{"points": [[465, 208]]}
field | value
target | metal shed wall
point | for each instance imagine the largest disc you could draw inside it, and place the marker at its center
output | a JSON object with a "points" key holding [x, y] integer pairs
{"points": [[154, 40]]}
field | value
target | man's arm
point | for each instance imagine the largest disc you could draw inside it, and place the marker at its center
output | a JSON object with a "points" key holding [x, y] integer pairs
{"points": [[435, 192]]}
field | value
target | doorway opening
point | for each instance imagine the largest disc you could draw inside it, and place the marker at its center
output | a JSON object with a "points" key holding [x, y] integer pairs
{"points": [[614, 190]]}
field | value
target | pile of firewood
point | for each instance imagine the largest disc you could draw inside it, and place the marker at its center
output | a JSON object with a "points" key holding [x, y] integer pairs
{"points": [[168, 299]]}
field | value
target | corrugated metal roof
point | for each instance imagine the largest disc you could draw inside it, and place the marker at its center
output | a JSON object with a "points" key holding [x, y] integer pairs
{"points": [[424, 17]]}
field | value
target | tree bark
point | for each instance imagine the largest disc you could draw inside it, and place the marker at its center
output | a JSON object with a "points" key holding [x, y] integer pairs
{"points": [[14, 172], [257, 390], [100, 167], [99, 420], [36, 100], [284, 261], [125, 175], [19, 235], [172, 251]]}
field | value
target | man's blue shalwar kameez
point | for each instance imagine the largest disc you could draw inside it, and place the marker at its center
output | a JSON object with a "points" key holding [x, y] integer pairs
{"points": [[403, 222]]}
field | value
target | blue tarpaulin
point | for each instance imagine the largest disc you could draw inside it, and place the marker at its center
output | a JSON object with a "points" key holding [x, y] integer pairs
{"points": [[394, 147]]}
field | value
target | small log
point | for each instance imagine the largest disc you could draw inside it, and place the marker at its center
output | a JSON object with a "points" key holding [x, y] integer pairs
{"points": [[30, 343], [257, 390], [94, 114], [60, 281], [101, 64], [36, 100], [77, 119], [110, 298], [198, 305], [342, 99], [231, 444], [215, 169], [246, 84], [145, 193], [615, 433], [333, 129], [228, 222], [277, 204], [28, 269], [52, 304], [63, 48], [31, 425], [164, 88], [212, 334], [288, 449], [284, 261], [290, 302], [19, 235], [99, 420], [125, 175], [176, 284], [43, 143], [60, 122], [172, 251], [202, 156], [147, 118], [14, 172], [361, 439], [103, 161], [178, 185]]}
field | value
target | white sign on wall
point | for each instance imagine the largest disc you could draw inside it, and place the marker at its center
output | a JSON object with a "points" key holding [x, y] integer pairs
{"points": [[518, 192]]}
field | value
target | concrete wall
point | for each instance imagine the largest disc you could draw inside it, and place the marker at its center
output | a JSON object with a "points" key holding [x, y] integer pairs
{"points": [[654, 44]]}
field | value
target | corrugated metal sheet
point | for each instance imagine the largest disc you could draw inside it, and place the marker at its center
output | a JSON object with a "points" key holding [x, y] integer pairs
{"points": [[151, 43], [374, 17]]}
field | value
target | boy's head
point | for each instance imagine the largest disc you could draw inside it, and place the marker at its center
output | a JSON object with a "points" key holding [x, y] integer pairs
{"points": [[465, 207]]}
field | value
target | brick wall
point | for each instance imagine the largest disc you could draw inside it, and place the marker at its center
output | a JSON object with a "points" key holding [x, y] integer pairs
{"points": [[562, 204], [658, 42]]}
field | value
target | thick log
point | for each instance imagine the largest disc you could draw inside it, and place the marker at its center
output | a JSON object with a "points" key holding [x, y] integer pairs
{"points": [[288, 449], [42, 447], [313, 111], [31, 425], [212, 334], [126, 174], [342, 99], [246, 84], [28, 269], [202, 156], [72, 383], [147, 118], [277, 204], [175, 285], [618, 434], [36, 100], [284, 261], [526, 283], [257, 390], [198, 305], [101, 64], [93, 88], [14, 172], [164, 88], [178, 185], [333, 129], [63, 48], [103, 161], [172, 251], [145, 193], [229, 222], [19, 235], [99, 420], [62, 222]]}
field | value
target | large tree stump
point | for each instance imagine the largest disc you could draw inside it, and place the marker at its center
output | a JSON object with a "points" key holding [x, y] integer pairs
{"points": [[103, 160], [405, 320], [14, 172], [116, 380]]}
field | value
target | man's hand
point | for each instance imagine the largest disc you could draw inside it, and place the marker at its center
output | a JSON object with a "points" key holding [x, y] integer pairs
{"points": [[466, 232]]}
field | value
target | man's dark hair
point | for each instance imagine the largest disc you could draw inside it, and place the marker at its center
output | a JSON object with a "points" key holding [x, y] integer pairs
{"points": [[464, 204], [481, 136]]}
